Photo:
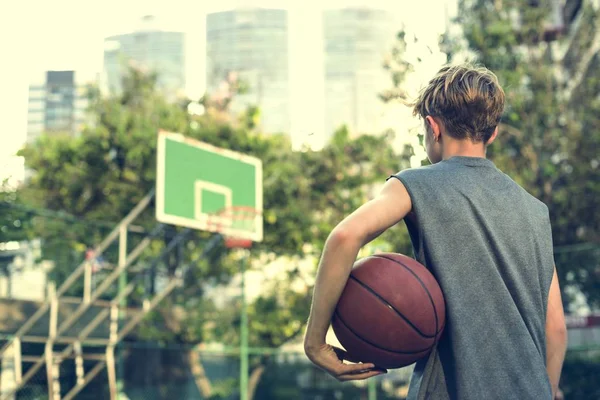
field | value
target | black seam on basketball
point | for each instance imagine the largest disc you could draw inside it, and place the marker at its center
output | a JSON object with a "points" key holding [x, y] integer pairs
{"points": [[441, 329], [338, 316], [384, 301], [424, 287]]}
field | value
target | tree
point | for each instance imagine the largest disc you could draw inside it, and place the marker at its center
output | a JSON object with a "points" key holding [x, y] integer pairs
{"points": [[334, 182], [550, 130], [99, 177], [15, 217]]}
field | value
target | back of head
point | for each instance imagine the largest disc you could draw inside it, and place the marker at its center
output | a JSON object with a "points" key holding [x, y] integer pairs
{"points": [[467, 99]]}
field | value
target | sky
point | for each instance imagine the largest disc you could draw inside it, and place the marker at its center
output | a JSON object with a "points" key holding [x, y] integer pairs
{"points": [[40, 35]]}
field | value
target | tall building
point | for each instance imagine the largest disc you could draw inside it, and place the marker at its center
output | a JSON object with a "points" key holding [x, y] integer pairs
{"points": [[356, 41], [253, 44], [56, 106], [148, 47], [22, 276]]}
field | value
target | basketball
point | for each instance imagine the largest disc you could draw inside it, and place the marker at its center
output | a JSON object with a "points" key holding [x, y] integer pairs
{"points": [[391, 312]]}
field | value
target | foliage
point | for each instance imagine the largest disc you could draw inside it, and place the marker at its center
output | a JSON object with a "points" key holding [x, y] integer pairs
{"points": [[98, 177], [550, 130], [579, 377], [15, 219], [92, 181]]}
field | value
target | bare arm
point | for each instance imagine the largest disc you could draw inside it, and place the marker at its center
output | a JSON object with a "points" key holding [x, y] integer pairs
{"points": [[556, 335], [341, 249]]}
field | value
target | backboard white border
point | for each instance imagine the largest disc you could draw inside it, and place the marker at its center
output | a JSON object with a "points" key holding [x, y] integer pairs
{"points": [[199, 186], [202, 224]]}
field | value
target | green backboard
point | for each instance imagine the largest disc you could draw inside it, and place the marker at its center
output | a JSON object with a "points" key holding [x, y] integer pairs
{"points": [[203, 187]]}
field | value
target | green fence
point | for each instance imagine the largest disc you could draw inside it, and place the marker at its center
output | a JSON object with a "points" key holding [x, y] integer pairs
{"points": [[156, 372], [153, 372]]}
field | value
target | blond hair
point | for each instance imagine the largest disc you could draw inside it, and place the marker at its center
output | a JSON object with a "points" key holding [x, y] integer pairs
{"points": [[467, 99]]}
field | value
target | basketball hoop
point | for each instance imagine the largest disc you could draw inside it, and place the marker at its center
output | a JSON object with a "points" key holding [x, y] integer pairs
{"points": [[233, 223]]}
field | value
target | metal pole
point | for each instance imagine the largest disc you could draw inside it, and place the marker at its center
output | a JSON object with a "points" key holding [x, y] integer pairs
{"points": [[244, 335], [123, 305], [141, 206], [112, 374], [122, 262], [125, 330], [372, 385], [87, 281], [52, 369], [17, 361]]}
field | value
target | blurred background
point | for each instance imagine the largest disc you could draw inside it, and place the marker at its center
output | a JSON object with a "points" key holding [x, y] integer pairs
{"points": [[319, 93]]}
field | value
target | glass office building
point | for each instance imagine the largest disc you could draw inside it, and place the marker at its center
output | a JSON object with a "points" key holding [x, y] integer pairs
{"points": [[356, 41], [56, 106], [150, 48], [253, 44]]}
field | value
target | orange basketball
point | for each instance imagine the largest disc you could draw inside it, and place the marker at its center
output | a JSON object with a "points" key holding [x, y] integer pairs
{"points": [[392, 311]]}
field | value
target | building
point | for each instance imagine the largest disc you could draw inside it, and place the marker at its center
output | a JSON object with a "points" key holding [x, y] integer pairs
{"points": [[22, 276], [148, 47], [57, 105], [355, 43], [252, 44]]}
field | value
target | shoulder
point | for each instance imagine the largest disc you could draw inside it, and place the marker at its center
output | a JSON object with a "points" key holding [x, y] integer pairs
{"points": [[412, 176], [536, 205], [540, 208], [536, 209]]}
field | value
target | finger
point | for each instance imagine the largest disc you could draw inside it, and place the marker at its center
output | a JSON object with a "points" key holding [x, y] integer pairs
{"points": [[355, 368], [359, 377], [378, 369]]}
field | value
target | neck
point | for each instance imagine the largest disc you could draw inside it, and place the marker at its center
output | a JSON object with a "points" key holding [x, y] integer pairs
{"points": [[462, 148]]}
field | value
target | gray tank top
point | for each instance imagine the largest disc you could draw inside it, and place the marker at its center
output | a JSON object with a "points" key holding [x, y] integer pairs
{"points": [[489, 244]]}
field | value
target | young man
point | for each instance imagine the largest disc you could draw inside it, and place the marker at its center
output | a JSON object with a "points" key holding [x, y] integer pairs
{"points": [[487, 241]]}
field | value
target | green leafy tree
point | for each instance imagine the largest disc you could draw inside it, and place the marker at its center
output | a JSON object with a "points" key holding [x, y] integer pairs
{"points": [[15, 222], [332, 183], [15, 217], [550, 130], [96, 179]]}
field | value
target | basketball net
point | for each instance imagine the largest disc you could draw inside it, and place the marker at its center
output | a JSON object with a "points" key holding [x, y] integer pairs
{"points": [[238, 218]]}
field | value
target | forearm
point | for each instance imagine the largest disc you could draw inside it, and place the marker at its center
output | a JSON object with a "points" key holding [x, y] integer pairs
{"points": [[556, 347], [556, 334], [334, 269]]}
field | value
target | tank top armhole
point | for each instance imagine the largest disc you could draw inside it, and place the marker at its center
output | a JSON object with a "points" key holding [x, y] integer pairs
{"points": [[413, 226]]}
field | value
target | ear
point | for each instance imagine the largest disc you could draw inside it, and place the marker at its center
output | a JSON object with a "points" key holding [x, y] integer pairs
{"points": [[435, 127], [493, 137]]}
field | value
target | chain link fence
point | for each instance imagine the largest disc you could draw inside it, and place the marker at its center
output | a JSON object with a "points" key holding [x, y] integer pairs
{"points": [[148, 371], [152, 371], [42, 386]]}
